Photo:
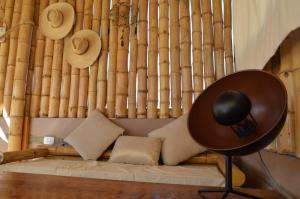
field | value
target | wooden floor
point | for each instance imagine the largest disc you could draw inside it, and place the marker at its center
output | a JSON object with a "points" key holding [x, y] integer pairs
{"points": [[30, 186]]}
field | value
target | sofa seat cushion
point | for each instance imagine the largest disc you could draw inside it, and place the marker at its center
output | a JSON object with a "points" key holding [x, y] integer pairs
{"points": [[201, 175]]}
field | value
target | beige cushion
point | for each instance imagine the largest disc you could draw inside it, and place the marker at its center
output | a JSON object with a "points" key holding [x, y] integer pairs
{"points": [[136, 150], [93, 136], [178, 145]]}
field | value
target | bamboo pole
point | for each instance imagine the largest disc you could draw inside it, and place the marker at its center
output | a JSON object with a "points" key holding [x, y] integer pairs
{"points": [[197, 48], [152, 60], [74, 86], [56, 75], [2, 10], [11, 62], [102, 68], [209, 76], [22, 57], [133, 60], [31, 59], [14, 156], [46, 75], [142, 60], [29, 81], [285, 140], [122, 58], [92, 90], [66, 78], [228, 37], [185, 63], [4, 49], [296, 83], [164, 58], [272, 66], [113, 47], [218, 39], [38, 67], [84, 73], [175, 59]]}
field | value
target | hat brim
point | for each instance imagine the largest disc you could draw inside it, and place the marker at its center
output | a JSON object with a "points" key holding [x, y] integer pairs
{"points": [[68, 21], [89, 57]]}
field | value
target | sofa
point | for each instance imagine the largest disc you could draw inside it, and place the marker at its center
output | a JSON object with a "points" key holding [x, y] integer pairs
{"points": [[205, 169]]}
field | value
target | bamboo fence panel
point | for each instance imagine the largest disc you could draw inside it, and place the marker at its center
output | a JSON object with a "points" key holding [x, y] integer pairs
{"points": [[56, 75], [175, 59], [133, 61], [26, 125], [285, 140], [46, 75], [113, 47], [84, 73], [209, 76], [4, 48], [122, 59], [164, 58], [197, 48], [11, 62], [142, 60], [296, 83], [185, 61], [92, 89], [66, 78], [152, 60], [74, 86], [218, 39], [102, 68], [228, 37], [38, 67], [22, 57]]}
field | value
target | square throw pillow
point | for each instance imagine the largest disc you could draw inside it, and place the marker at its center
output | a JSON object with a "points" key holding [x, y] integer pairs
{"points": [[178, 145], [136, 150], [93, 136]]}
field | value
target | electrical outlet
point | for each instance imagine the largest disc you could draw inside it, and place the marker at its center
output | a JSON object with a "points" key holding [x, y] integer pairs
{"points": [[49, 140]]}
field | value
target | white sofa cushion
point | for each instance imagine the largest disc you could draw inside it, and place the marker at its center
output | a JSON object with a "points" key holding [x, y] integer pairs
{"points": [[136, 150], [93, 136], [178, 145]]}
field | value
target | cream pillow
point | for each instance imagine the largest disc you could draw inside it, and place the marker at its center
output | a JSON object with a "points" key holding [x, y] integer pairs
{"points": [[136, 150], [93, 136], [178, 145]]}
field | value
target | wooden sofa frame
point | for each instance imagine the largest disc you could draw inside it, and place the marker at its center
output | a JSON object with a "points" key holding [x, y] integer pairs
{"points": [[58, 152]]}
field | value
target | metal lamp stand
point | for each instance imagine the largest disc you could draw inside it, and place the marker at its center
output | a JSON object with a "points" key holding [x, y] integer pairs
{"points": [[228, 187]]}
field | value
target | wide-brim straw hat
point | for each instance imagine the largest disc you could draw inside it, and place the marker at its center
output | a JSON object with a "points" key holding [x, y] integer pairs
{"points": [[57, 20], [83, 48]]}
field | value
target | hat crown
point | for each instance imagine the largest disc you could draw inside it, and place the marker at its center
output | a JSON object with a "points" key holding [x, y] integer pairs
{"points": [[55, 18], [80, 45]]}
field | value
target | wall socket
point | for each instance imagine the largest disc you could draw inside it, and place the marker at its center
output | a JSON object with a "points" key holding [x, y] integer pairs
{"points": [[49, 140]]}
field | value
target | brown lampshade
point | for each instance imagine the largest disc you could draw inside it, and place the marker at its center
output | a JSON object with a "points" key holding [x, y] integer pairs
{"points": [[268, 97]]}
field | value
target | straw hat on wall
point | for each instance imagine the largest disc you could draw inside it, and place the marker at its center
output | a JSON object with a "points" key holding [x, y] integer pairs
{"points": [[83, 48], [57, 20]]}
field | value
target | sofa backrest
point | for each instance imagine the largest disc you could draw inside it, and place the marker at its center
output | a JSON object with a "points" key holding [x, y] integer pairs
{"points": [[61, 127]]}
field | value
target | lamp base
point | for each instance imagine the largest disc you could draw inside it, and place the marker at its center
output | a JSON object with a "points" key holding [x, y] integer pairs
{"points": [[228, 187], [227, 192]]}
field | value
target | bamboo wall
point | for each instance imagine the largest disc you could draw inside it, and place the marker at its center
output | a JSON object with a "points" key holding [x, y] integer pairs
{"points": [[157, 56], [286, 64]]}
